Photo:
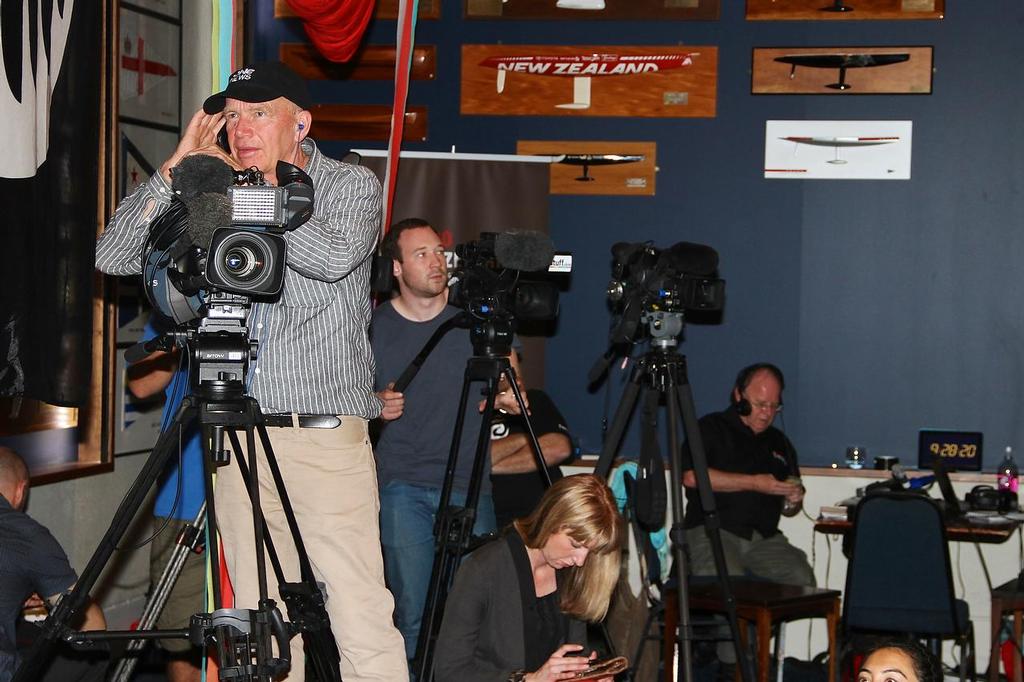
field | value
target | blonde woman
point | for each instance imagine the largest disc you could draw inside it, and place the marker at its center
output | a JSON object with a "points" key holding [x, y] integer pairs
{"points": [[519, 606]]}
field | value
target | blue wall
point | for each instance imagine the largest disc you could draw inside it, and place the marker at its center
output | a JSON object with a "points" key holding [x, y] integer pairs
{"points": [[891, 306]]}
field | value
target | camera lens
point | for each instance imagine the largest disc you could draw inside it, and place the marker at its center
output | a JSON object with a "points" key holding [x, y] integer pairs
{"points": [[242, 262], [246, 261]]}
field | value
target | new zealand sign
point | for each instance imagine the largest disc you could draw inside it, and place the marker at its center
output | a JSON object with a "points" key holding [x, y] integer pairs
{"points": [[548, 80]]}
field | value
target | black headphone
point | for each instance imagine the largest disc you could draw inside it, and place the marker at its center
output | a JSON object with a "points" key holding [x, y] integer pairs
{"points": [[987, 498], [743, 379]]}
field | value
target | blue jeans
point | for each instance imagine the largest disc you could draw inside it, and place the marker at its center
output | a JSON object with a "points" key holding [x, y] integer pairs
{"points": [[407, 536]]}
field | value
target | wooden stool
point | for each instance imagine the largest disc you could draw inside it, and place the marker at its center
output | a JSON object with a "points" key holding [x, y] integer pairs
{"points": [[1007, 598], [764, 604]]}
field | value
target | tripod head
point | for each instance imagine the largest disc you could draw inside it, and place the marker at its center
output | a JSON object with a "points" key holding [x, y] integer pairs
{"points": [[664, 328], [221, 348], [491, 337]]}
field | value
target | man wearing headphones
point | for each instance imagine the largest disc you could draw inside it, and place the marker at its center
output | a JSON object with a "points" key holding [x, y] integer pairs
{"points": [[754, 475]]}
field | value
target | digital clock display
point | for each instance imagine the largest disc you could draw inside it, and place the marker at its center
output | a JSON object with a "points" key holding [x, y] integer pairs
{"points": [[958, 450]]}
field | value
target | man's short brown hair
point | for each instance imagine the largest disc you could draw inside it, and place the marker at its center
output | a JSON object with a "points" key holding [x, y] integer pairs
{"points": [[389, 245]]}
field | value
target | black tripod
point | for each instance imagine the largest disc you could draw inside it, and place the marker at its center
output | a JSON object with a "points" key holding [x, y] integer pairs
{"points": [[242, 637], [189, 541], [661, 373], [453, 525]]}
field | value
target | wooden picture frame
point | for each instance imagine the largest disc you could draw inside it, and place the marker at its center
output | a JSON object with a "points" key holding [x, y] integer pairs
{"points": [[346, 122], [371, 62], [656, 81], [844, 10], [576, 10], [149, 68], [841, 70], [575, 177], [167, 8]]}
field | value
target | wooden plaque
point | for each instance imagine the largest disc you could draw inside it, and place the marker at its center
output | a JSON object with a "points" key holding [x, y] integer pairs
{"points": [[629, 179], [372, 62], [589, 80], [830, 10], [592, 9], [842, 70], [365, 122], [386, 9]]}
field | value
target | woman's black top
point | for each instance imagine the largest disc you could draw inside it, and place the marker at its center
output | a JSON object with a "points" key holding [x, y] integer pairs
{"points": [[545, 626]]}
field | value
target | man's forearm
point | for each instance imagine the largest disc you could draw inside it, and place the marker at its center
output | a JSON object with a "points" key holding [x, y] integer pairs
{"points": [[335, 241], [119, 248], [514, 454], [723, 481]]}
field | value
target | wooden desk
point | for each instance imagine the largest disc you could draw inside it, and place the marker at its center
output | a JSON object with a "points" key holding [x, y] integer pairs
{"points": [[959, 531]]}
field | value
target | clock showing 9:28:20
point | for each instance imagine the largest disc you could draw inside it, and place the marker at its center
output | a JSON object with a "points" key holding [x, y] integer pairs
{"points": [[958, 450]]}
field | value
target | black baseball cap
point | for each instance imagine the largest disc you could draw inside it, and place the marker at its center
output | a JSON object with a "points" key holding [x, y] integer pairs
{"points": [[261, 82]]}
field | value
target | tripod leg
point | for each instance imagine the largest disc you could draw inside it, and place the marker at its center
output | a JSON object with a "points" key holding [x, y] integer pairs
{"points": [[304, 600], [268, 541], [455, 525], [677, 538], [618, 428], [161, 592], [538, 455], [73, 602], [680, 401]]}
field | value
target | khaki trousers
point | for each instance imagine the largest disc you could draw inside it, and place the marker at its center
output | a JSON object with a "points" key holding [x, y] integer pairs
{"points": [[331, 481]]}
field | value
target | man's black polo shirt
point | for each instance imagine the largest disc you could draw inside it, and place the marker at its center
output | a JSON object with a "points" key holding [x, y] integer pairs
{"points": [[731, 446]]}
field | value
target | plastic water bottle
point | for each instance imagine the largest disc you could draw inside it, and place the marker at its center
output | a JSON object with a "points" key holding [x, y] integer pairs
{"points": [[1006, 476]]}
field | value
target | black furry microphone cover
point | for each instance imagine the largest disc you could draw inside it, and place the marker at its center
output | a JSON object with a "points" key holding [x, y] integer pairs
{"points": [[529, 251], [206, 213], [199, 174]]}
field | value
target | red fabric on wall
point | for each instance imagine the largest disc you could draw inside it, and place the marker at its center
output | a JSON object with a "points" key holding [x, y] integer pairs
{"points": [[335, 27]]}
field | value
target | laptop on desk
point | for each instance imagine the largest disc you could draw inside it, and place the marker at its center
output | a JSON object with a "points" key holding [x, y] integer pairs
{"points": [[954, 508]]}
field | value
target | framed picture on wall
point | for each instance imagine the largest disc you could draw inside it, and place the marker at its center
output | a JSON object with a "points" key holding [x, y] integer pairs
{"points": [[150, 69], [842, 70], [837, 150], [142, 151], [168, 8], [590, 80], [577, 10], [838, 10]]}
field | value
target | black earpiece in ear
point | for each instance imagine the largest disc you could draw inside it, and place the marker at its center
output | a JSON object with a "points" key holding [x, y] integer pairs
{"points": [[743, 407], [301, 126]]}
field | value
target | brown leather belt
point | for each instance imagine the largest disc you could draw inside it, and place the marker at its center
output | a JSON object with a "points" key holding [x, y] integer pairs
{"points": [[305, 421]]}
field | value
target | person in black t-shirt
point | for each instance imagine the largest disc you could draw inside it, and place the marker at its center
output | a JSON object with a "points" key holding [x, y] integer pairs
{"points": [[517, 485], [754, 475], [754, 471]]}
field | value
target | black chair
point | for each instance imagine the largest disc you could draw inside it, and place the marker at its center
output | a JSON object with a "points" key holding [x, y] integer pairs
{"points": [[899, 579]]}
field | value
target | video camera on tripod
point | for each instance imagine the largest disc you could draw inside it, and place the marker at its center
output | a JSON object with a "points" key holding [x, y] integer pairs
{"points": [[220, 245], [657, 286], [500, 279]]}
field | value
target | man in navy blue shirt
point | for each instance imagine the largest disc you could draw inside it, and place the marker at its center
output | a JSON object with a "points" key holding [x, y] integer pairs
{"points": [[32, 562]]}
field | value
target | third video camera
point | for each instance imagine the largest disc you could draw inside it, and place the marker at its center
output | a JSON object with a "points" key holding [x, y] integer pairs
{"points": [[649, 281]]}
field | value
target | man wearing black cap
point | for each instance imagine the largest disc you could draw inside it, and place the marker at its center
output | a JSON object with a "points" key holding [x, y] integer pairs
{"points": [[313, 377]]}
